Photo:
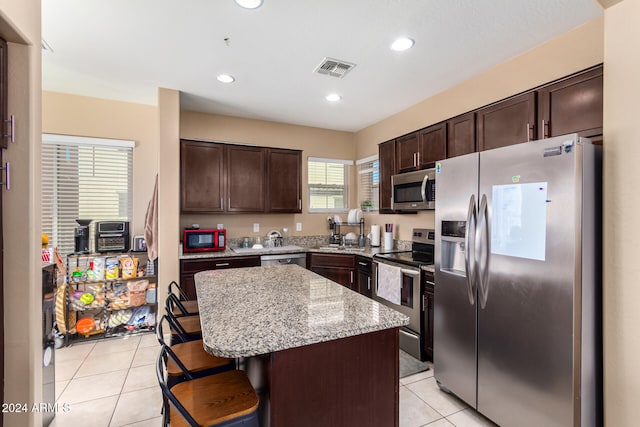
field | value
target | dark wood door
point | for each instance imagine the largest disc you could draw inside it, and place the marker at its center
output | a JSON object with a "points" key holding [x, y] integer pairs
{"points": [[387, 157], [428, 320], [573, 105], [433, 144], [284, 170], [363, 276], [407, 153], [343, 276], [245, 178], [201, 177], [507, 122], [461, 135]]}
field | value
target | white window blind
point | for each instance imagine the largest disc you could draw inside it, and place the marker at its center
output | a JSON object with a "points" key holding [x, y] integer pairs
{"points": [[368, 183], [83, 178], [327, 180]]}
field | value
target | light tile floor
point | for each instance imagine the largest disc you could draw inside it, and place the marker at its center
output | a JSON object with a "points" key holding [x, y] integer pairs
{"points": [[113, 383]]}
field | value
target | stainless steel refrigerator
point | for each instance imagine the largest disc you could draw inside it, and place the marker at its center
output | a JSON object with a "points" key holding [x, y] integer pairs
{"points": [[517, 321]]}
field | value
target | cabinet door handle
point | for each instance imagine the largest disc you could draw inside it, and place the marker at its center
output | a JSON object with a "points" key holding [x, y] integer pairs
{"points": [[423, 303], [364, 264], [545, 129], [528, 132], [229, 203], [222, 264], [414, 160], [351, 276], [418, 156], [369, 283], [12, 129], [300, 204], [221, 203]]}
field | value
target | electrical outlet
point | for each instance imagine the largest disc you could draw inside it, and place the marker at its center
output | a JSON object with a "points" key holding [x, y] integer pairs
{"points": [[220, 226], [298, 226], [256, 228]]}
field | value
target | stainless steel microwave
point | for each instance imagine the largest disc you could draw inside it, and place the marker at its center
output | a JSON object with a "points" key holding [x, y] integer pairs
{"points": [[414, 191]]}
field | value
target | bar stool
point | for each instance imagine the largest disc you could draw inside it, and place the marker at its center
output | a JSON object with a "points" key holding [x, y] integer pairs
{"points": [[189, 356], [187, 326], [182, 305], [223, 400]]}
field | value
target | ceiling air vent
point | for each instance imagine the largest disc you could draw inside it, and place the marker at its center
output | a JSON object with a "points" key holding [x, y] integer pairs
{"points": [[334, 67]]}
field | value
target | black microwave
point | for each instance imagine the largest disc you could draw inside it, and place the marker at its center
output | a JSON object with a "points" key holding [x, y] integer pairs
{"points": [[414, 191]]}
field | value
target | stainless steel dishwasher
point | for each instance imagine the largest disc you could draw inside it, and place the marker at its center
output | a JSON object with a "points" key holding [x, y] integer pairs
{"points": [[282, 259]]}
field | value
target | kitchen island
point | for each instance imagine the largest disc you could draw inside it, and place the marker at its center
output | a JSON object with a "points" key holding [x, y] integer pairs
{"points": [[317, 353]]}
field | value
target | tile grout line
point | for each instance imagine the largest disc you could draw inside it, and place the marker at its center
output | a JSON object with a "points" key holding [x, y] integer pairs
{"points": [[124, 382]]}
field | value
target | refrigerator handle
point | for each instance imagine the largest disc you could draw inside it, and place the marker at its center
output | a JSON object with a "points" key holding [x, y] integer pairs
{"points": [[483, 248], [469, 244]]}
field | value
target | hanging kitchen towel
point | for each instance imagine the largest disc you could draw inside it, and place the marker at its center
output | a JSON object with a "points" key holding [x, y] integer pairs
{"points": [[151, 224], [389, 282]]}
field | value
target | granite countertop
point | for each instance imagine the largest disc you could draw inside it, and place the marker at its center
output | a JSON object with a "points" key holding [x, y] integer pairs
{"points": [[258, 310], [228, 252]]}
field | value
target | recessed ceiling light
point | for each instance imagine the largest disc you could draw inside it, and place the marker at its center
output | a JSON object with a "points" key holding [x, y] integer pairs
{"points": [[249, 4], [333, 97], [403, 43], [226, 78]]}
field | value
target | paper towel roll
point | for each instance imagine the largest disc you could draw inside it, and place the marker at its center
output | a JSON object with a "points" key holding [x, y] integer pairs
{"points": [[388, 240], [375, 235]]}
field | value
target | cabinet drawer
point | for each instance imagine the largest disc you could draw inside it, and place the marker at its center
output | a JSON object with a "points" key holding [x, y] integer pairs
{"points": [[195, 266], [364, 264], [330, 260]]}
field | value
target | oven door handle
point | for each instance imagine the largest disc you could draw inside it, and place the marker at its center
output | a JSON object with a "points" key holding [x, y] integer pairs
{"points": [[410, 272], [423, 190]]}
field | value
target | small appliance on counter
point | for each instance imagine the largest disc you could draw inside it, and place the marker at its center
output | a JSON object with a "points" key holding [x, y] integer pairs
{"points": [[138, 244], [81, 236], [197, 240], [112, 236]]}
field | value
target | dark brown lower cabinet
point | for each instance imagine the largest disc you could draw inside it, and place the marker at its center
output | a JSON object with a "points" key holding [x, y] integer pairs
{"points": [[188, 268], [351, 381], [427, 312], [364, 276], [339, 268]]}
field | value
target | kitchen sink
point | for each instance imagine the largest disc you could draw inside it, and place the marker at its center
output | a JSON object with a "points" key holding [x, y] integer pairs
{"points": [[287, 248], [340, 248]]}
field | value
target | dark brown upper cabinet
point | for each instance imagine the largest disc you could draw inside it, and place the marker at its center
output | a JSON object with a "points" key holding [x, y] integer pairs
{"points": [[572, 105], [387, 158], [507, 122], [245, 178], [421, 149], [407, 153], [461, 135], [284, 171], [225, 178], [433, 144], [202, 177]]}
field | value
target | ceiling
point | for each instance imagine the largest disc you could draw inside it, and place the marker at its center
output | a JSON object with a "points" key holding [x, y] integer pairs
{"points": [[125, 50]]}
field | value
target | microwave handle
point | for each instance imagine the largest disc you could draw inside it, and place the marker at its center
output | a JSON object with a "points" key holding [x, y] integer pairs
{"points": [[423, 191]]}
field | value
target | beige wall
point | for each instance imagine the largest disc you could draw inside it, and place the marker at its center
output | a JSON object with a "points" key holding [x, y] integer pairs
{"points": [[621, 206], [313, 141], [168, 189], [22, 311], [566, 54], [101, 118]]}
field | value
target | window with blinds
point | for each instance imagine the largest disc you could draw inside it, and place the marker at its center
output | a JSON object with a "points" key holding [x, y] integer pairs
{"points": [[83, 178], [327, 180], [368, 183]]}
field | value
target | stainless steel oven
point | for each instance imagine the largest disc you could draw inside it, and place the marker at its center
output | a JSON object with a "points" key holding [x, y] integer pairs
{"points": [[410, 300]]}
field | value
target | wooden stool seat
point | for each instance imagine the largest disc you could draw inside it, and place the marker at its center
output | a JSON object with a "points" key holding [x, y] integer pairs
{"points": [[215, 399], [190, 324], [190, 306], [195, 358]]}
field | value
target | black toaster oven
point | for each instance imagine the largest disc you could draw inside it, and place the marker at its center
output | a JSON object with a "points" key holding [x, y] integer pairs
{"points": [[112, 236]]}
